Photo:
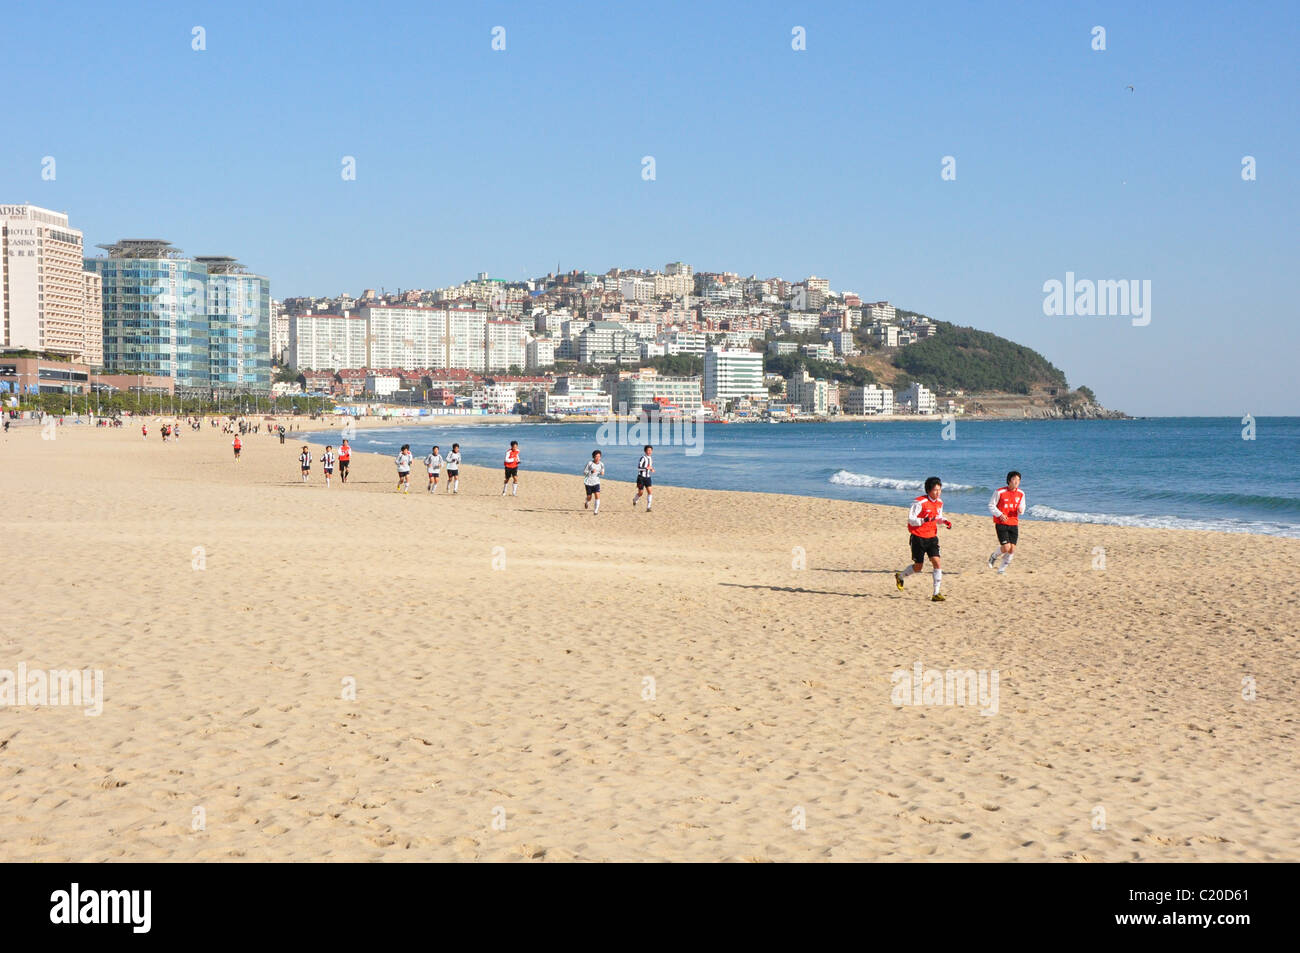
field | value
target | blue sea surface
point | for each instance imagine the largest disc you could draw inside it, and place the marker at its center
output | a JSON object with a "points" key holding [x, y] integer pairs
{"points": [[1178, 473]]}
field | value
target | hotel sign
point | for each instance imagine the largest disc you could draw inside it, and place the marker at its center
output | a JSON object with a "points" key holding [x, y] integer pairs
{"points": [[13, 211]]}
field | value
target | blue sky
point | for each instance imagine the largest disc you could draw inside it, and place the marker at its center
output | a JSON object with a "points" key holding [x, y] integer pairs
{"points": [[768, 160]]}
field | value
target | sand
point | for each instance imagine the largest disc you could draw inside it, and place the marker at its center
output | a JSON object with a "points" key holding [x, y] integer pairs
{"points": [[501, 649]]}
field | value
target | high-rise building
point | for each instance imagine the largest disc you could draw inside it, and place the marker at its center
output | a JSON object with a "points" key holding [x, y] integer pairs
{"points": [[730, 375], [204, 322], [45, 300], [327, 342]]}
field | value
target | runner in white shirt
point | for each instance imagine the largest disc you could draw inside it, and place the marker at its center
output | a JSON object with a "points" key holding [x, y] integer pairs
{"points": [[433, 463], [404, 459], [644, 467], [327, 463], [453, 469], [591, 475]]}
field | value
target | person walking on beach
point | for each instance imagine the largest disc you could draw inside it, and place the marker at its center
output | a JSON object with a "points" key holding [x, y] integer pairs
{"points": [[512, 468], [923, 521], [591, 475], [1007, 506], [327, 463], [144, 431], [238, 446], [404, 459], [282, 434], [433, 463], [453, 469], [644, 483], [345, 457], [304, 459]]}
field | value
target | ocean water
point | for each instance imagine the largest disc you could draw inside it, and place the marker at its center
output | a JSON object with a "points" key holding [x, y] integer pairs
{"points": [[1177, 473]]}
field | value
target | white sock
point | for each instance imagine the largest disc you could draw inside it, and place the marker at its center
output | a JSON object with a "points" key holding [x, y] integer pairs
{"points": [[908, 571], [996, 554], [515, 491], [649, 500], [598, 506], [1006, 559], [938, 579]]}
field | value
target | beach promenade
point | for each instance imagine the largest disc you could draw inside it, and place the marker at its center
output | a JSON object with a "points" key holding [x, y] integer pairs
{"points": [[354, 674]]}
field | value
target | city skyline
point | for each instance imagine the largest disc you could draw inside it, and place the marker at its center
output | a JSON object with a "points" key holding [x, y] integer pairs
{"points": [[767, 159]]}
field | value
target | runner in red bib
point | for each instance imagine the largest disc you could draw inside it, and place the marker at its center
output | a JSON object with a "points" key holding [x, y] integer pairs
{"points": [[512, 468], [923, 521], [1006, 507]]}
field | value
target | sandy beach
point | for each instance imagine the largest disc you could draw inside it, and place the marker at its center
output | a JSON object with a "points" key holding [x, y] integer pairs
{"points": [[533, 683]]}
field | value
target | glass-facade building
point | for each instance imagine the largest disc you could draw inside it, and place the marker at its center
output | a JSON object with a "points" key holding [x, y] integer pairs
{"points": [[204, 322]]}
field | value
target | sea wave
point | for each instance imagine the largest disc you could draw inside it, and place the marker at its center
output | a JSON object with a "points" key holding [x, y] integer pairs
{"points": [[1265, 527], [845, 478]]}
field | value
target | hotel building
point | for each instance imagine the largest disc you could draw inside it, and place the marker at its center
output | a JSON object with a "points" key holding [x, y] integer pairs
{"points": [[732, 375], [47, 303]]}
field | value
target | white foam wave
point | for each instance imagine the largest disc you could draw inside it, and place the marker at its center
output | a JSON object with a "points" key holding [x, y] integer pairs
{"points": [[1040, 512], [845, 478]]}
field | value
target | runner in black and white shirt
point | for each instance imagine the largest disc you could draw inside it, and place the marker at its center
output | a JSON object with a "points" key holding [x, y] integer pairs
{"points": [[591, 475], [644, 468], [304, 460], [403, 461], [453, 469], [327, 463], [433, 463]]}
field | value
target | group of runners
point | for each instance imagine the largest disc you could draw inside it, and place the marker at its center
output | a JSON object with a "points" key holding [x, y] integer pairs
{"points": [[925, 516]]}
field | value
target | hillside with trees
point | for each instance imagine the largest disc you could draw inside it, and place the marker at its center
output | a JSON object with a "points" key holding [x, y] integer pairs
{"points": [[962, 358]]}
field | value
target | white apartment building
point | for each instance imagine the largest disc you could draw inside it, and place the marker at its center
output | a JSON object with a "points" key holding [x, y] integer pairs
{"points": [[800, 322], [879, 311], [539, 353], [636, 288], [382, 385], [731, 375], [810, 393], [684, 342], [813, 283], [507, 343], [643, 388], [870, 399], [466, 336], [405, 337], [885, 335], [327, 342], [496, 398], [607, 342], [46, 302], [918, 400], [679, 268]]}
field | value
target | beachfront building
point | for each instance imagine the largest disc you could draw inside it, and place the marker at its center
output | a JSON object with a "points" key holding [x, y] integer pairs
{"points": [[205, 322], [383, 384], [917, 400], [496, 398], [869, 400], [732, 375], [574, 395], [648, 386], [810, 393], [48, 302], [320, 342]]}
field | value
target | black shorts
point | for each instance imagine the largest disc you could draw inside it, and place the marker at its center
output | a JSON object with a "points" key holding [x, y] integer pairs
{"points": [[643, 482], [592, 488], [452, 474], [512, 472], [1007, 534], [923, 546], [306, 469], [343, 466]]}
